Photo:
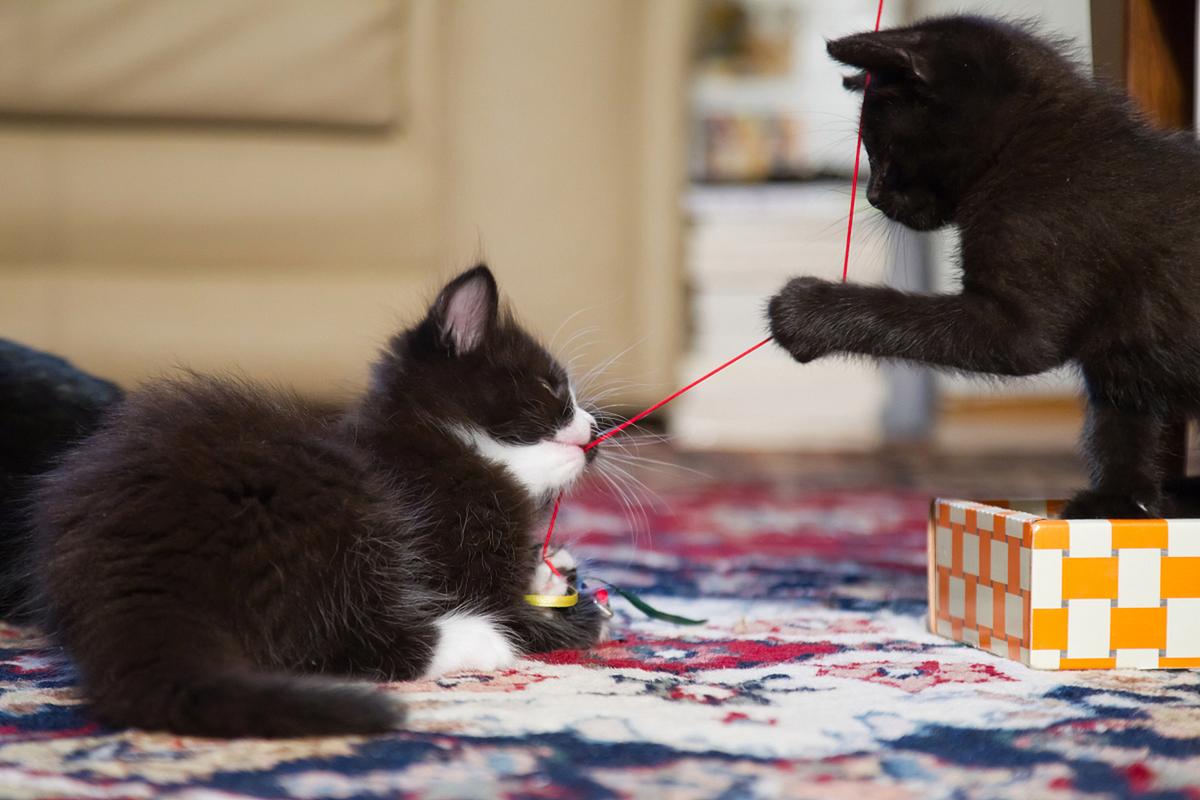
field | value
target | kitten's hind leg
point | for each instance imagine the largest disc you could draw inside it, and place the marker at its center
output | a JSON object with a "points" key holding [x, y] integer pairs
{"points": [[1123, 454]]}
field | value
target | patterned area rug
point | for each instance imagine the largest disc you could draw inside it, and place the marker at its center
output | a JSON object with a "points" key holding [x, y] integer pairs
{"points": [[814, 677]]}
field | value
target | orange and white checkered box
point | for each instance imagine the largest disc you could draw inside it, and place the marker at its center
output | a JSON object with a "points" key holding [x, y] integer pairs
{"points": [[1065, 594]]}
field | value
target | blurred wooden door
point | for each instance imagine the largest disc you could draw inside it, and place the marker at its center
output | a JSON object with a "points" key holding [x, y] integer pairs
{"points": [[1149, 47]]}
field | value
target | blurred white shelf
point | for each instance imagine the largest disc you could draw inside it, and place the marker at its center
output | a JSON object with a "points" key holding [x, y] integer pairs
{"points": [[769, 402], [742, 246], [810, 93]]}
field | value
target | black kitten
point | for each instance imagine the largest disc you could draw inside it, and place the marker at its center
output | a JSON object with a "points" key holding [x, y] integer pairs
{"points": [[46, 406], [1080, 241], [213, 541]]}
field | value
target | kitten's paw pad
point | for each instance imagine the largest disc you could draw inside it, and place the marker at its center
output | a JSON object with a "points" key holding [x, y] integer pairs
{"points": [[469, 642], [1090, 504]]}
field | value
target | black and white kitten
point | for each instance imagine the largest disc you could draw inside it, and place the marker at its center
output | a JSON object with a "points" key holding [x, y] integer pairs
{"points": [[47, 405], [1080, 241], [222, 560]]}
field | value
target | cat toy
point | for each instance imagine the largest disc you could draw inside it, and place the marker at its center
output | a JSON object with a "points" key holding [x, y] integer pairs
{"points": [[600, 596]]}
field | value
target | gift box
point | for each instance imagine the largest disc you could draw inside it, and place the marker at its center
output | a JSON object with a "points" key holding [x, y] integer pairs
{"points": [[1012, 579]]}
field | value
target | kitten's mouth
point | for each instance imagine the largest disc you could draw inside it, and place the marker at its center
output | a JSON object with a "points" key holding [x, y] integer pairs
{"points": [[580, 433], [589, 453]]}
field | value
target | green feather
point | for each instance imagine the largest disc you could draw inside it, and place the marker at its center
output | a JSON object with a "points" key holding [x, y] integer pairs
{"points": [[649, 610]]}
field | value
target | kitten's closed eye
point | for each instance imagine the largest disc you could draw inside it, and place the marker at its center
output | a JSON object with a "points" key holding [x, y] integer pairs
{"points": [[555, 387]]}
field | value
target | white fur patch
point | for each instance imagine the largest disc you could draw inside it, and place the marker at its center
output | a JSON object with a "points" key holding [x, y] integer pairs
{"points": [[544, 468], [545, 581], [469, 642], [578, 431]]}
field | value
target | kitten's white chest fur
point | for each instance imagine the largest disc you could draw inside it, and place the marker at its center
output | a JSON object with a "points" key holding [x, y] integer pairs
{"points": [[469, 641], [545, 467]]}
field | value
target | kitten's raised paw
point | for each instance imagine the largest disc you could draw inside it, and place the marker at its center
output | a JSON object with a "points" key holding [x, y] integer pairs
{"points": [[795, 318], [1091, 504]]}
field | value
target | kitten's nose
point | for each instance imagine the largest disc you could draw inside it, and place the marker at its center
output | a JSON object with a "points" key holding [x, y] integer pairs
{"points": [[875, 191], [879, 168], [579, 431]]}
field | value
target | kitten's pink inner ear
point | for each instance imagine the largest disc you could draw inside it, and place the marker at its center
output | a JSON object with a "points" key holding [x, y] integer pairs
{"points": [[468, 314]]}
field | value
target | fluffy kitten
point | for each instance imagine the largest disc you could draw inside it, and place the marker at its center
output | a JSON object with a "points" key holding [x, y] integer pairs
{"points": [[213, 540], [46, 406], [1079, 237]]}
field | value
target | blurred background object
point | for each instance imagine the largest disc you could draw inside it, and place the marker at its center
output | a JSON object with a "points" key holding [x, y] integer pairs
{"points": [[772, 149], [276, 186]]}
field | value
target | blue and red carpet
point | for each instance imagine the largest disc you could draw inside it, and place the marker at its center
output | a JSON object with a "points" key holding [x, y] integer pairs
{"points": [[814, 677]]}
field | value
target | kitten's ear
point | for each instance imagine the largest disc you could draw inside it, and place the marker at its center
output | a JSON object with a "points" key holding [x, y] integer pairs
{"points": [[899, 51], [465, 312]]}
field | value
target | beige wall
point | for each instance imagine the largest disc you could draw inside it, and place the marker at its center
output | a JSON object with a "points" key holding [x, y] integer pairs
{"points": [[545, 135], [566, 138]]}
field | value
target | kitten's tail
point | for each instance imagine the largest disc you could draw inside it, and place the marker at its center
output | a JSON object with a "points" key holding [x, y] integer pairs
{"points": [[254, 704]]}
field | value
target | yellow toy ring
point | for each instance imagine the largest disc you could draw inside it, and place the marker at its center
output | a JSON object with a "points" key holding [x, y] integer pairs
{"points": [[553, 600]]}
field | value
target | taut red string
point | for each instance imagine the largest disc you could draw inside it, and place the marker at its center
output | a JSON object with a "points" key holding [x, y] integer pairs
{"points": [[549, 533], [613, 431], [857, 155], [642, 415]]}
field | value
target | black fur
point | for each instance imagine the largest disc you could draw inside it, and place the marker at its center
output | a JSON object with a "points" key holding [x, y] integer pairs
{"points": [[214, 540], [1079, 233], [46, 406]]}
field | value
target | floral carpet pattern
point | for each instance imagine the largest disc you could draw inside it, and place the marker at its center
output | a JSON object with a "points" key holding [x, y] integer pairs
{"points": [[813, 677]]}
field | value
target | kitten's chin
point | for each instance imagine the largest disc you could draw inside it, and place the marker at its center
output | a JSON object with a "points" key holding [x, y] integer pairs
{"points": [[566, 466], [920, 218], [924, 222]]}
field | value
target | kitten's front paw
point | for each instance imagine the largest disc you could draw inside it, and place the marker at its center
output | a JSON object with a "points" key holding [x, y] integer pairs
{"points": [[796, 318], [1092, 504], [470, 642], [591, 623], [545, 581]]}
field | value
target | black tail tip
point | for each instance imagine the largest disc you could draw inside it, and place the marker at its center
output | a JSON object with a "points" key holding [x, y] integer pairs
{"points": [[260, 707], [342, 711]]}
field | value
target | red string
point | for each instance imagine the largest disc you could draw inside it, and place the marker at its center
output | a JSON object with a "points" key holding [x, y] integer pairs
{"points": [[549, 533], [857, 155], [643, 414], [613, 431]]}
